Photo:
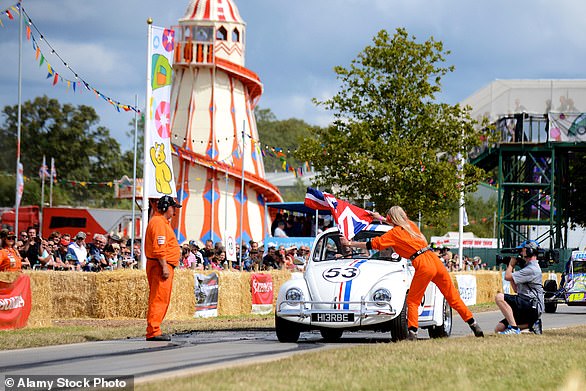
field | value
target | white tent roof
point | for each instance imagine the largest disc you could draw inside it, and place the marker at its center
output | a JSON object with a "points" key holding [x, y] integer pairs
{"points": [[506, 97]]}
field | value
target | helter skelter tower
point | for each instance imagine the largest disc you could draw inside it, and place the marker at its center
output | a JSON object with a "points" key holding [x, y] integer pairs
{"points": [[214, 134]]}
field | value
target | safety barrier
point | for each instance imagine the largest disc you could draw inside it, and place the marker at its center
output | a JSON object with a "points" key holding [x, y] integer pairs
{"points": [[124, 293]]}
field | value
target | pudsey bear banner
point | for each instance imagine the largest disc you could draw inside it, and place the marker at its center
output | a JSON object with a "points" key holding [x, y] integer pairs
{"points": [[158, 169]]}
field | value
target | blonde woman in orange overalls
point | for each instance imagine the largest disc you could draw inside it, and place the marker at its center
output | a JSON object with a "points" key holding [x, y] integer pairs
{"points": [[407, 241]]}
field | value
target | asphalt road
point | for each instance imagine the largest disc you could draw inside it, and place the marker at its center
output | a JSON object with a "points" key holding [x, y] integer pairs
{"points": [[203, 351]]}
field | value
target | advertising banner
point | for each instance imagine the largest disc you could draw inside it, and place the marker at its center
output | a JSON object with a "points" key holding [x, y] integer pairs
{"points": [[452, 242], [568, 127], [261, 286], [158, 168], [15, 303], [506, 285], [467, 288], [206, 295]]}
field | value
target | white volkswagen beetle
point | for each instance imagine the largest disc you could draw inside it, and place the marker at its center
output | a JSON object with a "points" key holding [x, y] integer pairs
{"points": [[355, 289]]}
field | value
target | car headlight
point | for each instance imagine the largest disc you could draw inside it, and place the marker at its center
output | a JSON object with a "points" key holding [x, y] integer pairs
{"points": [[294, 294], [381, 295]]}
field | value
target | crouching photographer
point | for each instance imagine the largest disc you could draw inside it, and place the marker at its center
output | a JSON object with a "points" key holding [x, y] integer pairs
{"points": [[523, 310]]}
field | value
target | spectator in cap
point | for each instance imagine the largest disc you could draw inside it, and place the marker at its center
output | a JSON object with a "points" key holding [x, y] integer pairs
{"points": [[10, 260], [77, 250], [61, 255]]}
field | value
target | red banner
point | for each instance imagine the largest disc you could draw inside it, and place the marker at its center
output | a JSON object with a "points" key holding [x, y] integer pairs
{"points": [[15, 303], [262, 293]]}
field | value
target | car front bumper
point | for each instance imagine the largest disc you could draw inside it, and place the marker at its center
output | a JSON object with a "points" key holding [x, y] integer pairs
{"points": [[337, 313]]}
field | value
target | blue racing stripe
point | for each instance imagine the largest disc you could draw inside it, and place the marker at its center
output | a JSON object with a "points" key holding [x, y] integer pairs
{"points": [[348, 287]]}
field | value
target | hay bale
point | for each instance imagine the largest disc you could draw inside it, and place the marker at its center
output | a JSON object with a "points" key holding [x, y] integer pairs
{"points": [[42, 299], [487, 285], [121, 294], [234, 297], [9, 277], [182, 304], [74, 294], [279, 278]]}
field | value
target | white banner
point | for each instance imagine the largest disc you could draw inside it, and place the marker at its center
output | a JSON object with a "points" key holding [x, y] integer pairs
{"points": [[158, 168], [467, 288], [19, 185], [452, 242], [506, 285]]}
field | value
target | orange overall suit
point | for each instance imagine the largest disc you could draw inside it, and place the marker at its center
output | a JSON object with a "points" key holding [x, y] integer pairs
{"points": [[428, 267], [160, 243], [10, 261]]}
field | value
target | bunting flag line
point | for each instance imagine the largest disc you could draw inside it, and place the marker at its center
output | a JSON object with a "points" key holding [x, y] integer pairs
{"points": [[10, 15], [349, 218], [264, 150], [52, 74]]}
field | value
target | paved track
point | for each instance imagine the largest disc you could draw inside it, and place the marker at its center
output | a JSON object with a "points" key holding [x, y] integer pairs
{"points": [[202, 351]]}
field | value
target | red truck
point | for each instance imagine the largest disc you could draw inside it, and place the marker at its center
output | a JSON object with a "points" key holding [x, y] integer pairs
{"points": [[71, 220]]}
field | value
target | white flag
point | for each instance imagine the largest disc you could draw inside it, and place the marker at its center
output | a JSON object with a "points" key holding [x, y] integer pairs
{"points": [[465, 220], [19, 184], [158, 168]]}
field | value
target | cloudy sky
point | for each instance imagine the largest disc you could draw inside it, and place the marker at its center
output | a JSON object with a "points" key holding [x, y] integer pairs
{"points": [[293, 46]]}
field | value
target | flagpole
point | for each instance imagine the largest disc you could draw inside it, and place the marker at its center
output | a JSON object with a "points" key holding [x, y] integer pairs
{"points": [[19, 121], [461, 212], [51, 182], [133, 230], [42, 172], [146, 179], [242, 195]]}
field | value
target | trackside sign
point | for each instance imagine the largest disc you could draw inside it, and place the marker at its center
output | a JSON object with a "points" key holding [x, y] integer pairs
{"points": [[15, 303]]}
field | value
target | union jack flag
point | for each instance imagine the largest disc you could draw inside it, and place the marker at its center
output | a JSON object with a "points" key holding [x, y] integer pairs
{"points": [[43, 170], [349, 218]]}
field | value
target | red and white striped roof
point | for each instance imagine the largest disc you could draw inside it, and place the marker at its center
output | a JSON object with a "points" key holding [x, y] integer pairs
{"points": [[212, 10]]}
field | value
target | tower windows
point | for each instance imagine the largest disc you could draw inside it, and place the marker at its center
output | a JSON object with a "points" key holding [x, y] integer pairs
{"points": [[222, 34], [235, 35]]}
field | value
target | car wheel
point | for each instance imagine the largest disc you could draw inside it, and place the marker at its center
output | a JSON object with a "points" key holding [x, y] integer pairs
{"points": [[550, 287], [331, 335], [287, 331], [445, 330], [399, 325]]}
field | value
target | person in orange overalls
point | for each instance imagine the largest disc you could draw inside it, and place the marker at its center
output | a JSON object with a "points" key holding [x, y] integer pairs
{"points": [[162, 253], [407, 241], [10, 260]]}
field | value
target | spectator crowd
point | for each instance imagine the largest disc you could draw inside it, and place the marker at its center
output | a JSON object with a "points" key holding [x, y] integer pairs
{"points": [[61, 252], [111, 252]]}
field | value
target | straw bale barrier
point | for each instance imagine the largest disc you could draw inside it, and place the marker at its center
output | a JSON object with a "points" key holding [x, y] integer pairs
{"points": [[42, 300], [121, 294], [182, 304], [124, 293]]}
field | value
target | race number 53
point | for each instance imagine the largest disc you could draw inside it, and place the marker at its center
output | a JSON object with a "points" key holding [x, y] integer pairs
{"points": [[340, 274]]}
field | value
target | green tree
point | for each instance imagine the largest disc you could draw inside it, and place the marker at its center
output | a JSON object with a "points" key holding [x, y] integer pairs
{"points": [[129, 155], [390, 141], [83, 150], [283, 136]]}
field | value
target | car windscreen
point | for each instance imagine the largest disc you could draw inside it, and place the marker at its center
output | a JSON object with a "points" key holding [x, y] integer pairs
{"points": [[579, 267], [330, 248]]}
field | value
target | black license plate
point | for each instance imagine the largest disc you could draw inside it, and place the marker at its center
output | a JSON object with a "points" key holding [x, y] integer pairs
{"points": [[332, 317]]}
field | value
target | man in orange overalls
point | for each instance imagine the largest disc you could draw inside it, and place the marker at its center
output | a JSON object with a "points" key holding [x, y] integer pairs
{"points": [[162, 252], [407, 241]]}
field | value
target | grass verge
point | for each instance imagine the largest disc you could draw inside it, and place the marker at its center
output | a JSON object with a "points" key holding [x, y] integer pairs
{"points": [[552, 361]]}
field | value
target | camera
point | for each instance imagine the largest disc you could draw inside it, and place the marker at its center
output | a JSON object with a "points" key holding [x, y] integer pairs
{"points": [[504, 260], [545, 258]]}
